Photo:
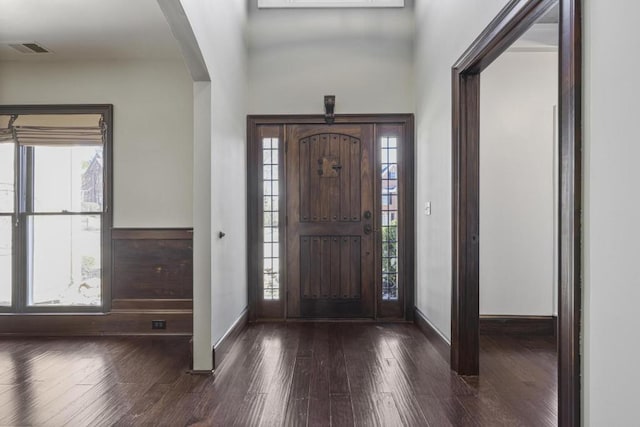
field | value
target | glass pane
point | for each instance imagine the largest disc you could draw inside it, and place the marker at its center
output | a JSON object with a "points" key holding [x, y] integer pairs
{"points": [[5, 260], [271, 281], [268, 188], [68, 179], [65, 261], [7, 176], [389, 217]]}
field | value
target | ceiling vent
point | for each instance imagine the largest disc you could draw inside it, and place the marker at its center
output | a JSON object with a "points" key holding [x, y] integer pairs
{"points": [[31, 47]]}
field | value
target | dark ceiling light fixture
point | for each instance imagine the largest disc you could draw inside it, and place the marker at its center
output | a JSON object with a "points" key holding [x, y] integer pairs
{"points": [[329, 106]]}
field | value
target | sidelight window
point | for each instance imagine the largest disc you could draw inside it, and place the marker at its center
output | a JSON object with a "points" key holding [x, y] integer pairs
{"points": [[389, 219], [271, 254]]}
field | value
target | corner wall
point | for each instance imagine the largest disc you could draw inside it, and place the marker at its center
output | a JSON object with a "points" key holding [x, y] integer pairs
{"points": [[218, 27], [444, 30]]}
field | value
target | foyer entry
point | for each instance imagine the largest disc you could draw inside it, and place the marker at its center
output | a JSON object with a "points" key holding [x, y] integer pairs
{"points": [[330, 217]]}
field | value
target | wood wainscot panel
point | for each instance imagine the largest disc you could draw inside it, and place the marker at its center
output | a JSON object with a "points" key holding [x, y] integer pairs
{"points": [[152, 280], [151, 264], [115, 323], [164, 304]]}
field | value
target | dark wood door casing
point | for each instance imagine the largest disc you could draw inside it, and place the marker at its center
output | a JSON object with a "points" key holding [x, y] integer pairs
{"points": [[513, 21], [330, 217], [333, 164]]}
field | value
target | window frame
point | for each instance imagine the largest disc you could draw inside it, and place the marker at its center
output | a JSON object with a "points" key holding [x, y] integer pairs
{"points": [[23, 193], [260, 307]]}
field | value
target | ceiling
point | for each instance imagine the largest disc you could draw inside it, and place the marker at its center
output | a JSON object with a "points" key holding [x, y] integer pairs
{"points": [[137, 29], [551, 17], [86, 29], [543, 35]]}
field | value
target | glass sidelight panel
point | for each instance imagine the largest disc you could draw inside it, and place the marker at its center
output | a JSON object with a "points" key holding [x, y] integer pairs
{"points": [[389, 217], [270, 202], [64, 262]]}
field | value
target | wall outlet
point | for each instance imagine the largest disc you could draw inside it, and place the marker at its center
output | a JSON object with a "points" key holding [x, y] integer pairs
{"points": [[158, 324]]}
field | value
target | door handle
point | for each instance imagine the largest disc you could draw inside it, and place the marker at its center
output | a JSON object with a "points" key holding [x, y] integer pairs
{"points": [[368, 229]]}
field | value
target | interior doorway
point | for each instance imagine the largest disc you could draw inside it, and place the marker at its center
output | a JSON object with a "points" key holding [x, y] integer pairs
{"points": [[330, 217], [515, 19]]}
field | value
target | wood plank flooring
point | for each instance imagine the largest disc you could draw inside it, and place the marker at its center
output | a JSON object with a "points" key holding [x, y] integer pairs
{"points": [[295, 374]]}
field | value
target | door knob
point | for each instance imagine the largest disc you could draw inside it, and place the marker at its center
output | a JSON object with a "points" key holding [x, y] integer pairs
{"points": [[368, 229], [367, 215]]}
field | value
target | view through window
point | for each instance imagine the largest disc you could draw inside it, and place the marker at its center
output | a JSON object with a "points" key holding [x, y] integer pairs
{"points": [[65, 244], [389, 190]]}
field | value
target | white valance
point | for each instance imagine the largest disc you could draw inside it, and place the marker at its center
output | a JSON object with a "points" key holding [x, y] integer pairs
{"points": [[53, 129], [6, 133]]}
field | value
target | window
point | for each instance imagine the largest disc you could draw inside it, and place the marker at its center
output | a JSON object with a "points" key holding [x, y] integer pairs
{"points": [[270, 197], [54, 221], [328, 3], [389, 219]]}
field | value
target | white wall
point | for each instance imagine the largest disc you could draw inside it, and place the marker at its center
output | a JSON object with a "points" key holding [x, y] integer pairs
{"points": [[517, 97], [612, 203], [363, 56], [202, 227], [153, 127], [443, 31], [219, 29]]}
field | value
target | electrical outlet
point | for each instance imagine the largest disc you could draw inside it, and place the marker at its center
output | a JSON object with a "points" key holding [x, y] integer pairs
{"points": [[158, 324]]}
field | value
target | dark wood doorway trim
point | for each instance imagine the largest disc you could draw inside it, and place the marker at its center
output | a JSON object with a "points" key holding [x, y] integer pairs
{"points": [[516, 18], [269, 126]]}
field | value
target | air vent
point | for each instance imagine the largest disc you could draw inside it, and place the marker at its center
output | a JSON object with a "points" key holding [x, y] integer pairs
{"points": [[31, 47]]}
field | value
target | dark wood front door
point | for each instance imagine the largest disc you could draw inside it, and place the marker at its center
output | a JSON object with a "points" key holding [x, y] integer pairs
{"points": [[331, 217]]}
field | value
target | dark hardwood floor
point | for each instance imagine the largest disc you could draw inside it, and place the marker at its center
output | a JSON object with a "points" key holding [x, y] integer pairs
{"points": [[277, 374]]}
